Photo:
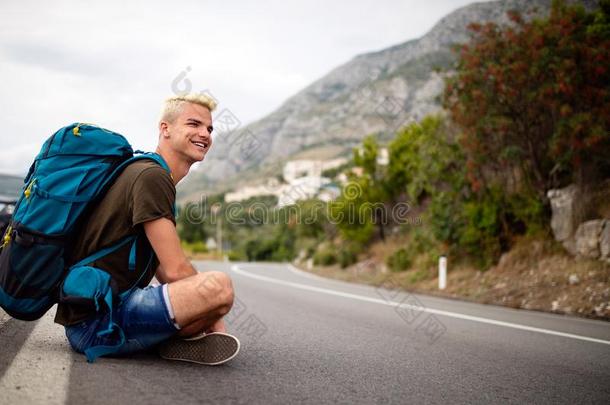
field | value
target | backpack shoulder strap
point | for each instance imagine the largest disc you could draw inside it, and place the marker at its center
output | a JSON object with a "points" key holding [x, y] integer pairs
{"points": [[151, 156], [140, 155]]}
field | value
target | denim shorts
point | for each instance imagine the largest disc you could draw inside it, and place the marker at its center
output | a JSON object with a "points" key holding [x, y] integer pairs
{"points": [[144, 316]]}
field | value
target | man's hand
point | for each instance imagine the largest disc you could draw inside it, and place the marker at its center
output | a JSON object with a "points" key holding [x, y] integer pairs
{"points": [[173, 264]]}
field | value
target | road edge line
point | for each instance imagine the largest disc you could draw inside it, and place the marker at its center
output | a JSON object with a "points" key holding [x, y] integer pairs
{"points": [[450, 314]]}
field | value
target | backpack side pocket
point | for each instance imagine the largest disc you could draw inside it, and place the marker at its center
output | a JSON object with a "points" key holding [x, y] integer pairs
{"points": [[86, 285]]}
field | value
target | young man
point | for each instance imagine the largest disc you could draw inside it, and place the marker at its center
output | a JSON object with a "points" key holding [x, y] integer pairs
{"points": [[140, 202]]}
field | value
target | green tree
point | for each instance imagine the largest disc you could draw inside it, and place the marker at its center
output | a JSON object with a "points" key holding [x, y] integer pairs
{"points": [[372, 203], [190, 221], [349, 213], [422, 159]]}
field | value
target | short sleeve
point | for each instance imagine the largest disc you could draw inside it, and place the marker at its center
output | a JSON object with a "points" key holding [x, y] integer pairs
{"points": [[152, 196]]}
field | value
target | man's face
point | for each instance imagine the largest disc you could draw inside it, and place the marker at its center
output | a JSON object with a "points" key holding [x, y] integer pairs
{"points": [[190, 135]]}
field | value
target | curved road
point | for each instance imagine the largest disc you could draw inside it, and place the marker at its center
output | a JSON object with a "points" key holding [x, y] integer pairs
{"points": [[307, 339]]}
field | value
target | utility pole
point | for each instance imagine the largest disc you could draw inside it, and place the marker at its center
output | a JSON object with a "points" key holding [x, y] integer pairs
{"points": [[216, 211], [219, 236]]}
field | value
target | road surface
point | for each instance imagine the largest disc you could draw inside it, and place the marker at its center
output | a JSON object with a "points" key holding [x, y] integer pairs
{"points": [[310, 340]]}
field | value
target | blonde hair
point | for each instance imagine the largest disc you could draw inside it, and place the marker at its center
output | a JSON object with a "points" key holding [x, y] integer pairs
{"points": [[173, 105]]}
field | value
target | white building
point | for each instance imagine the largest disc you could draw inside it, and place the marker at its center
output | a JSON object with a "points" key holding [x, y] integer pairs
{"points": [[210, 243], [356, 171], [329, 193], [295, 169], [303, 180], [246, 192], [383, 157], [300, 189]]}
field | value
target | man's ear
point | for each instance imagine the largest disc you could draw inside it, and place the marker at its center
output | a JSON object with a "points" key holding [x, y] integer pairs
{"points": [[164, 129]]}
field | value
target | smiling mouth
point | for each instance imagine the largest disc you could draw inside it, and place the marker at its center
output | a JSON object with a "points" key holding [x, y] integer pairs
{"points": [[200, 145]]}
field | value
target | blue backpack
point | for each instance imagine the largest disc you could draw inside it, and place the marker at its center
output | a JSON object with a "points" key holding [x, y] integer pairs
{"points": [[73, 170]]}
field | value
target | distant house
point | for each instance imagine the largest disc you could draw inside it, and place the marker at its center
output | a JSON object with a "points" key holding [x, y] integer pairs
{"points": [[210, 243], [247, 192], [355, 171], [329, 192], [383, 157], [296, 169], [303, 180], [300, 188]]}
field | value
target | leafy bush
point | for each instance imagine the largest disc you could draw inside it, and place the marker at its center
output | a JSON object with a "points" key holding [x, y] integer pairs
{"points": [[189, 223], [236, 256], [480, 231], [418, 275], [198, 247], [399, 260], [195, 247], [308, 245], [348, 255], [325, 256]]}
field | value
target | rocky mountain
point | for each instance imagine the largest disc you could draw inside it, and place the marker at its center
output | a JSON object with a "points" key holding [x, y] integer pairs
{"points": [[374, 93]]}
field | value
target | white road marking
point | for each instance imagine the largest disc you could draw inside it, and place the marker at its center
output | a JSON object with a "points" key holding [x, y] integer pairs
{"points": [[457, 315], [298, 272]]}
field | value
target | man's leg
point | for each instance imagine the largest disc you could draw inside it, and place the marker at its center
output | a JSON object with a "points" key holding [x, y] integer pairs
{"points": [[199, 301]]}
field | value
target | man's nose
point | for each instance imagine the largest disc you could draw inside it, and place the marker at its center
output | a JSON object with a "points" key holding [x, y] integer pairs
{"points": [[205, 135]]}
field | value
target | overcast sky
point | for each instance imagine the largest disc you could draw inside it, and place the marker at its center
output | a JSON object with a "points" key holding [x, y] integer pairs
{"points": [[112, 63]]}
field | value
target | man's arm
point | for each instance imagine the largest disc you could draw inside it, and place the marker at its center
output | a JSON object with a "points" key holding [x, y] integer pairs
{"points": [[173, 264]]}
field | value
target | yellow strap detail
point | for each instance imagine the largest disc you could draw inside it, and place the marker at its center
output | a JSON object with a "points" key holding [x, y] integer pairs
{"points": [[76, 129], [28, 190], [7, 236]]}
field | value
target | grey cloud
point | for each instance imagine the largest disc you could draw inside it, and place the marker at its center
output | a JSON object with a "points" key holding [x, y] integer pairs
{"points": [[89, 62], [53, 58]]}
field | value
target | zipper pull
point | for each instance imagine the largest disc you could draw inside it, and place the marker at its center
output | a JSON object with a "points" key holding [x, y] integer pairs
{"points": [[7, 236], [28, 190]]}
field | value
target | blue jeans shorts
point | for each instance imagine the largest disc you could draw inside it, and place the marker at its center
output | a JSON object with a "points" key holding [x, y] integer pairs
{"points": [[145, 317]]}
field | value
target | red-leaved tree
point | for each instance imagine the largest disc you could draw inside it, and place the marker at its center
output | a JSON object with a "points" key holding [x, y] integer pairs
{"points": [[532, 99]]}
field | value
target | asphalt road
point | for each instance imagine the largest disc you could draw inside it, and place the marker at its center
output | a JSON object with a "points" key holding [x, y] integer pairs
{"points": [[310, 340]]}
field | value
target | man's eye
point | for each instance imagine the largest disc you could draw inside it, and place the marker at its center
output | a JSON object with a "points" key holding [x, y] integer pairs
{"points": [[210, 129]]}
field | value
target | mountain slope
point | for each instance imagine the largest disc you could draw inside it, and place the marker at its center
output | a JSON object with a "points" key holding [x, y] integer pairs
{"points": [[374, 93]]}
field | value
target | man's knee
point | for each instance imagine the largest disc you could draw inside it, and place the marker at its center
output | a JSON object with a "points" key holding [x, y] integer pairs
{"points": [[226, 295], [217, 286]]}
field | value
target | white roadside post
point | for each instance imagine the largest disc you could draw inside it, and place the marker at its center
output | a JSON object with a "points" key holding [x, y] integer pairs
{"points": [[442, 272]]}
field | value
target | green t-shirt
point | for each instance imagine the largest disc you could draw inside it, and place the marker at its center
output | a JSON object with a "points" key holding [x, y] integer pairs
{"points": [[143, 192]]}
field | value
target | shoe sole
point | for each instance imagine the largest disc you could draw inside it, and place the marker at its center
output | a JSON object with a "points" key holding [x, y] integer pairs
{"points": [[212, 349]]}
